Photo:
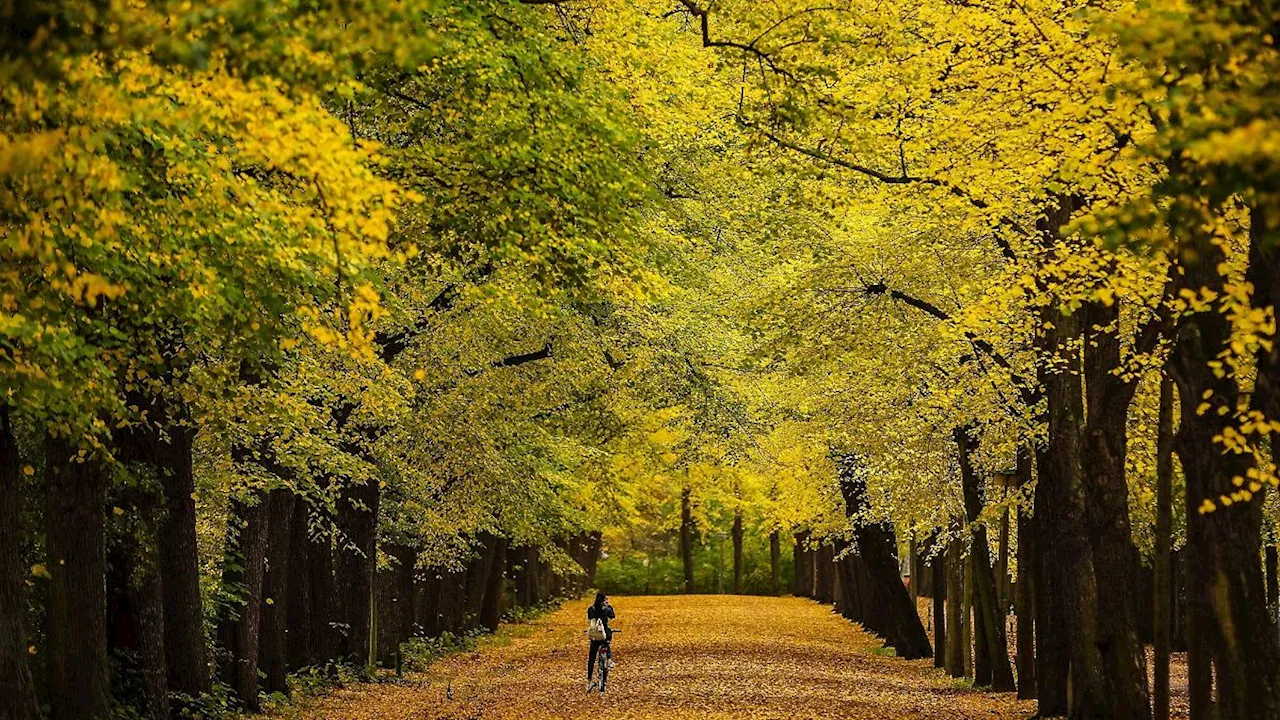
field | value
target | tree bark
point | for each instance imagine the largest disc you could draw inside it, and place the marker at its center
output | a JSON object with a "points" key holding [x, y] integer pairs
{"points": [[357, 543], [273, 657], [163, 446], [323, 641], [1025, 589], [186, 653], [800, 581], [995, 645], [79, 685], [895, 618], [1071, 583], [242, 576], [686, 538], [1162, 621], [1116, 565], [1272, 562], [824, 572], [939, 570], [737, 553], [135, 617], [775, 563], [955, 622], [1230, 606], [17, 691], [299, 632], [491, 610]]}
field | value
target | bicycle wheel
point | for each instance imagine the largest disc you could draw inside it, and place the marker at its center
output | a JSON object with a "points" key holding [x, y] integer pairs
{"points": [[602, 666]]}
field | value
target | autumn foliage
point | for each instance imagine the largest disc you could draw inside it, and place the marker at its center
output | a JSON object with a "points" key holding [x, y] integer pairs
{"points": [[327, 328]]}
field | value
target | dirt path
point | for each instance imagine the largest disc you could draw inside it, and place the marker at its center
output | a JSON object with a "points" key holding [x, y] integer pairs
{"points": [[705, 657]]}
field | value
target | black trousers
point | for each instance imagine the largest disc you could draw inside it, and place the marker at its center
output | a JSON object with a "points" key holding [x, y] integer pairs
{"points": [[591, 656]]}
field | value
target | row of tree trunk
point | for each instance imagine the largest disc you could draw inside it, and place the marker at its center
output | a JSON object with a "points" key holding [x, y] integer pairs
{"points": [[123, 603]]}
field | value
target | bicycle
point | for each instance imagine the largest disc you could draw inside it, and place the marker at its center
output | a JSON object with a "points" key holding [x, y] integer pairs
{"points": [[604, 661]]}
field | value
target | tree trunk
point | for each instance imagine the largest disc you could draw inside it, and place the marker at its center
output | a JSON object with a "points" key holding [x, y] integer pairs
{"points": [[686, 538], [357, 525], [79, 684], [17, 692], [1272, 562], [995, 645], [273, 659], [737, 553], [1068, 553], [824, 571], [1025, 591], [896, 618], [939, 569], [1161, 622], [800, 581], [966, 615], [242, 576], [323, 641], [299, 632], [775, 563], [135, 617], [491, 610], [186, 653], [1231, 605], [956, 649], [1002, 563], [1116, 565]]}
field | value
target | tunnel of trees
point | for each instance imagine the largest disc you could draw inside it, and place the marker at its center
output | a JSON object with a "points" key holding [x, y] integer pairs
{"points": [[326, 329]]}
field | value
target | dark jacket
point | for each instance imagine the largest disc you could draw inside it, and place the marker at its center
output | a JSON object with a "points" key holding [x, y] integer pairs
{"points": [[605, 613]]}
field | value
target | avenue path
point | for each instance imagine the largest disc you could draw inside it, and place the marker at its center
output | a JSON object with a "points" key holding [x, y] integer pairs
{"points": [[679, 657]]}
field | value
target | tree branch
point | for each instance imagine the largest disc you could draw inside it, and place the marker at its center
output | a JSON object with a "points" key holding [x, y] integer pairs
{"points": [[1029, 394], [902, 179]]}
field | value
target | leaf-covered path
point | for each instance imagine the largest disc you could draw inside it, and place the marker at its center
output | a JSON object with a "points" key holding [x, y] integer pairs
{"points": [[696, 656]]}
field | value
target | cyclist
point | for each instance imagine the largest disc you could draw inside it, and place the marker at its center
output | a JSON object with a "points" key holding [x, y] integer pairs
{"points": [[599, 614]]}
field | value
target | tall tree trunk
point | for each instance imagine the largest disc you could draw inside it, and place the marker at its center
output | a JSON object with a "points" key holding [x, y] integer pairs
{"points": [[737, 553], [800, 565], [320, 571], [966, 615], [273, 657], [185, 647], [686, 538], [1231, 606], [299, 633], [1272, 562], [357, 525], [135, 618], [955, 620], [1161, 623], [491, 610], [896, 619], [1061, 502], [242, 576], [1116, 564], [824, 571], [1024, 600], [775, 563], [1002, 562], [987, 605], [79, 684], [17, 692], [939, 570]]}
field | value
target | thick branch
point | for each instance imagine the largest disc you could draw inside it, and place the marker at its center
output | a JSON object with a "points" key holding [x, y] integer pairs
{"points": [[516, 360], [704, 22], [1029, 394], [902, 179]]}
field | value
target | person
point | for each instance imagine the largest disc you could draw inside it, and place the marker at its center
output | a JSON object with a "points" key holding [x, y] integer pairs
{"points": [[602, 610]]}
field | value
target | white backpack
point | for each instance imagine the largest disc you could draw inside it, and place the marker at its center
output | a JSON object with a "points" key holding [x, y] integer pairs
{"points": [[595, 629]]}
